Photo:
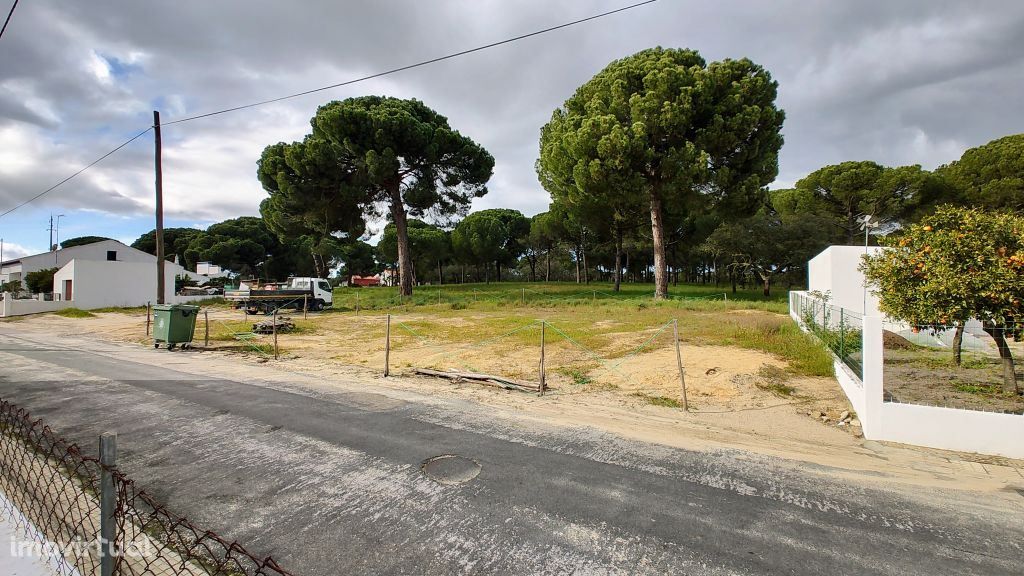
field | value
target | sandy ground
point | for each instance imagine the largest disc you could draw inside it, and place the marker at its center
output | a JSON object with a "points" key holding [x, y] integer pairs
{"points": [[733, 405]]}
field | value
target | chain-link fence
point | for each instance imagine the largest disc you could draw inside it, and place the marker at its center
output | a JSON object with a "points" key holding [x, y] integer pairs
{"points": [[972, 365], [838, 328], [53, 493]]}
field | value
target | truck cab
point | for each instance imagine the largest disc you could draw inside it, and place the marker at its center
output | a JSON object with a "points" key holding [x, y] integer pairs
{"points": [[322, 293]]}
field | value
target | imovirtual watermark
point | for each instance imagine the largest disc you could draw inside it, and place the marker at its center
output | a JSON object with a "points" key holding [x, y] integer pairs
{"points": [[78, 548]]}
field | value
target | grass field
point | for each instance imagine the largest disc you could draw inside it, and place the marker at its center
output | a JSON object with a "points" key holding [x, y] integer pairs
{"points": [[596, 323]]}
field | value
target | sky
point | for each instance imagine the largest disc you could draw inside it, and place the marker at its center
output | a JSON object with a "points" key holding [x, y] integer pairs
{"points": [[908, 82]]}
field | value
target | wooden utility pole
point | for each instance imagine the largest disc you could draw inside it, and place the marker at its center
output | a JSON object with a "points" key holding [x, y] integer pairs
{"points": [[158, 166]]}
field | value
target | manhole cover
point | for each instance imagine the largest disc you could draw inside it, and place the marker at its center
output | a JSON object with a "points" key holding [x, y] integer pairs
{"points": [[450, 469]]}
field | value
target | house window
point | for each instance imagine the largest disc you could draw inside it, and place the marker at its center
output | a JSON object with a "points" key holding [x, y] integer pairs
{"points": [[111, 255]]}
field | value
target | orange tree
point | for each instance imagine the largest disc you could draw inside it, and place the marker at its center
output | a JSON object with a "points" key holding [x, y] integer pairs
{"points": [[955, 265]]}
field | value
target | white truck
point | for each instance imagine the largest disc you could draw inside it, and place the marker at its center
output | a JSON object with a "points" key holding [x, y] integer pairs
{"points": [[296, 293]]}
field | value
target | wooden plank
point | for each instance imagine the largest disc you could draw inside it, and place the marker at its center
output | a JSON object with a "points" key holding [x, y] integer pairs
{"points": [[487, 379]]}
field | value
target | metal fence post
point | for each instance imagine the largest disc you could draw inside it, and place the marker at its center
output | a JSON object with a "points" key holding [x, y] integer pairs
{"points": [[542, 383], [108, 503], [842, 332], [679, 362], [148, 317], [206, 338], [387, 346]]}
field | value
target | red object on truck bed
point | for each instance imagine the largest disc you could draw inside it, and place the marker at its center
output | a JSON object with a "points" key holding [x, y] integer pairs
{"points": [[365, 281]]}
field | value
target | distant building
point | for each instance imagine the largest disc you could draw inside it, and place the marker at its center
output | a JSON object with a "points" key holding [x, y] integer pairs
{"points": [[98, 275]]}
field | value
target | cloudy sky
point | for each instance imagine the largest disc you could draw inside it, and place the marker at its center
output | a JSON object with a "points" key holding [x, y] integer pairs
{"points": [[908, 82]]}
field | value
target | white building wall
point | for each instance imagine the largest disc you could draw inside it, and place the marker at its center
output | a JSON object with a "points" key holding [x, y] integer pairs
{"points": [[96, 251], [103, 284], [837, 270]]}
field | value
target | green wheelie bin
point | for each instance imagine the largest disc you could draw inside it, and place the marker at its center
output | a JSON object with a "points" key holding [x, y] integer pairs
{"points": [[174, 324]]}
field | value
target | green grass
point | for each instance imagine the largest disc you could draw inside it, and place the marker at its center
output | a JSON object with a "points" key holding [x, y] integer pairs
{"points": [[474, 312], [549, 294], [664, 401], [74, 313]]}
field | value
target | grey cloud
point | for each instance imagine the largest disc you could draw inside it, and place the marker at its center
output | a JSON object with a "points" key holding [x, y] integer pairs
{"points": [[898, 82]]}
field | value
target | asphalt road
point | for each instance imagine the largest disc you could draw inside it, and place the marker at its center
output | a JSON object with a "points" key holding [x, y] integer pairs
{"points": [[332, 482]]}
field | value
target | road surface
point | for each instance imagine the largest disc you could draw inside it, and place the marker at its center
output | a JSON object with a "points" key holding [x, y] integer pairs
{"points": [[333, 481]]}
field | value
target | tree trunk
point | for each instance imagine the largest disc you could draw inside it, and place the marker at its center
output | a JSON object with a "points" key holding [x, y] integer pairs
{"points": [[547, 265], [618, 258], [533, 268], [497, 268], [767, 284], [577, 251], [998, 333], [586, 270], [658, 234], [958, 340], [440, 274], [402, 235]]}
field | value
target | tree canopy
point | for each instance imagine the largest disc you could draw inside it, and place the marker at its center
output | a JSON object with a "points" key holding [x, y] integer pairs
{"points": [[405, 156], [670, 130], [494, 236], [315, 191], [176, 242], [82, 241], [843, 193], [989, 176], [957, 264]]}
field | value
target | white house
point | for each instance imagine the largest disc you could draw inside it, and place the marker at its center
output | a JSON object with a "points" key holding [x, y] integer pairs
{"points": [[109, 250], [99, 275]]}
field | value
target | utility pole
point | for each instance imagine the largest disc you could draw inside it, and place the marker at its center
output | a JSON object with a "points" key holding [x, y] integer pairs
{"points": [[159, 209], [49, 246]]}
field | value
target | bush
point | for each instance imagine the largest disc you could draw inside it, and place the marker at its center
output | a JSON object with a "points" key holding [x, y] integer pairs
{"points": [[40, 281]]}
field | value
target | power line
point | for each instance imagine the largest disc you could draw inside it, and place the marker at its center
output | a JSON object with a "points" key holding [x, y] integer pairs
{"points": [[8, 21], [321, 89], [411, 66], [90, 165]]}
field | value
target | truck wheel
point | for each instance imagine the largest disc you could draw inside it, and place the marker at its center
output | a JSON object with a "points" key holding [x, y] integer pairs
{"points": [[318, 305]]}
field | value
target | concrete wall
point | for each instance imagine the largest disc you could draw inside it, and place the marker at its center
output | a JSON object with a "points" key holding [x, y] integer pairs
{"points": [[932, 426], [836, 270], [12, 307]]}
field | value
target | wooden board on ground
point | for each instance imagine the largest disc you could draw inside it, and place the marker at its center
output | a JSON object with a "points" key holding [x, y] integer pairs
{"points": [[486, 379]]}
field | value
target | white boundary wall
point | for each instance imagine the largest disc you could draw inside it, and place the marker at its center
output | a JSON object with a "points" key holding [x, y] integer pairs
{"points": [[932, 426], [13, 307]]}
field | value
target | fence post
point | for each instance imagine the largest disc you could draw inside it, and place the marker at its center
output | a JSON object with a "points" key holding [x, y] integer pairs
{"points": [[842, 332], [438, 296], [357, 303], [387, 347], [872, 358], [543, 382], [679, 362], [524, 295], [108, 503], [275, 334], [206, 337], [305, 305], [148, 317], [726, 296]]}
